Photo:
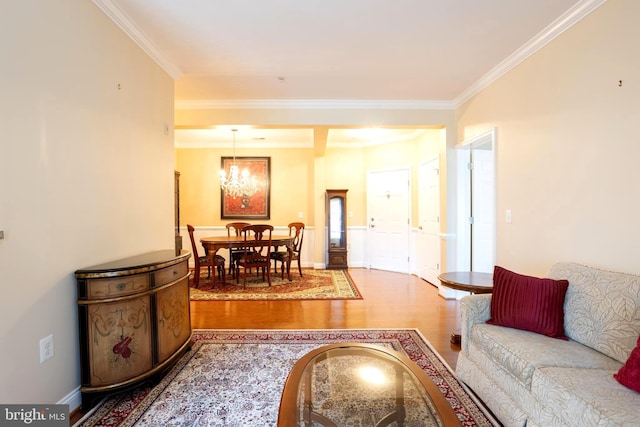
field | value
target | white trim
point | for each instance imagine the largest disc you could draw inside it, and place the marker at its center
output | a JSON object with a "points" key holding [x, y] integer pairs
{"points": [[311, 104], [553, 30], [485, 137], [73, 399], [564, 22], [259, 144], [127, 25]]}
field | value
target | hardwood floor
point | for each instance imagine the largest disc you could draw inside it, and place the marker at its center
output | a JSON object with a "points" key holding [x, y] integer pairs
{"points": [[390, 300]]}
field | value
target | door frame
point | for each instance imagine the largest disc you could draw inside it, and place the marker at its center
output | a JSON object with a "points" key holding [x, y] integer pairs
{"points": [[464, 198]]}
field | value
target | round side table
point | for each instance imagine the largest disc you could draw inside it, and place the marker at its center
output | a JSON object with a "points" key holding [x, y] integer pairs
{"points": [[470, 281]]}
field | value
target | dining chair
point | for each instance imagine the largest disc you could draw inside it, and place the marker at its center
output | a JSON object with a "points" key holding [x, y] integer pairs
{"points": [[256, 252], [235, 253], [204, 261], [292, 253]]}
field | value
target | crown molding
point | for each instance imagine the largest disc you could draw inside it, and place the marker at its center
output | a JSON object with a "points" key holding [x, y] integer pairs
{"points": [[564, 22], [311, 104], [138, 36], [553, 30]]}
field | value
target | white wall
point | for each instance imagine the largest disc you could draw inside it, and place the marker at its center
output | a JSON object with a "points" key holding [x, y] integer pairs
{"points": [[568, 144], [86, 176]]}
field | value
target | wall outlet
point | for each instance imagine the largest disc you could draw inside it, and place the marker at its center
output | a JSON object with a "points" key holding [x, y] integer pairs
{"points": [[46, 348]]}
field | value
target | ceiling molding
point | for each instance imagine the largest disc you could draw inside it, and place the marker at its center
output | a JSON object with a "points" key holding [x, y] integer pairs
{"points": [[311, 104], [138, 36], [553, 30], [219, 145], [564, 22]]}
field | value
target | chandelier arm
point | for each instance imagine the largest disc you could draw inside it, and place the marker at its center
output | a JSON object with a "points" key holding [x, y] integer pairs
{"points": [[237, 184]]}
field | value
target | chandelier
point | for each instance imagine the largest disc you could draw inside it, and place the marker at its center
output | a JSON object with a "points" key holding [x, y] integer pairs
{"points": [[237, 184]]}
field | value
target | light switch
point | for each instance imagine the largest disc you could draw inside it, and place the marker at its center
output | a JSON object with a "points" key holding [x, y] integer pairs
{"points": [[507, 216]]}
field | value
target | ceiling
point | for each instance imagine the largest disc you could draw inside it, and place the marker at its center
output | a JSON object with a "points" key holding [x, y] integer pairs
{"points": [[371, 52]]}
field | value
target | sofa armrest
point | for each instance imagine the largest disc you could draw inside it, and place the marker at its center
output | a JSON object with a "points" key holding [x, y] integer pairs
{"points": [[473, 309]]}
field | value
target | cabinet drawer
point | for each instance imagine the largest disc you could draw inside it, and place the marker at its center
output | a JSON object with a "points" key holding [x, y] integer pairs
{"points": [[170, 274], [117, 286]]}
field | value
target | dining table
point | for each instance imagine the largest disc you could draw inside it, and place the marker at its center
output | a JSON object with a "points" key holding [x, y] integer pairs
{"points": [[214, 243]]}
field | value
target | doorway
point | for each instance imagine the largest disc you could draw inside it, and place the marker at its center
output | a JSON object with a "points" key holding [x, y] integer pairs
{"points": [[388, 213], [477, 206]]}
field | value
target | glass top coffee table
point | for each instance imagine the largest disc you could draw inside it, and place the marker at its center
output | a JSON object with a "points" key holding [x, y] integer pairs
{"points": [[361, 384]]}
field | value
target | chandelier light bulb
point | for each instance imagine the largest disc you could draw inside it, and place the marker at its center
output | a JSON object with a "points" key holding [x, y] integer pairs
{"points": [[237, 184]]}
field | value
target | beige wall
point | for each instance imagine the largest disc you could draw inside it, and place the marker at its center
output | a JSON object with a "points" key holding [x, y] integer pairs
{"points": [[292, 172], [86, 177], [294, 178], [568, 144]]}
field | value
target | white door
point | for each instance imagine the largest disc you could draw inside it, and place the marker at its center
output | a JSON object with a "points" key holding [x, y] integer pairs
{"points": [[388, 209], [428, 245], [482, 209], [476, 203]]}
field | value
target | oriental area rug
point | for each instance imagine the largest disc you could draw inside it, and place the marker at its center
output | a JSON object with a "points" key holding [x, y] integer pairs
{"points": [[235, 378], [314, 284]]}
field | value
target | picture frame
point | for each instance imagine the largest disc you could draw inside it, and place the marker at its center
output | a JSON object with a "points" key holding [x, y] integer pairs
{"points": [[253, 206]]}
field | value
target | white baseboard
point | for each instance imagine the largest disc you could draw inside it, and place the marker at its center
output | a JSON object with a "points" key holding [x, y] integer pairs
{"points": [[73, 399]]}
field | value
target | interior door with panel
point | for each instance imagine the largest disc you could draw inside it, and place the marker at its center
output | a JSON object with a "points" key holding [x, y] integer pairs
{"points": [[388, 210], [428, 244]]}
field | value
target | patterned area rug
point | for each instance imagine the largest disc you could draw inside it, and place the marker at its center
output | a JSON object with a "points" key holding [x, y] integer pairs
{"points": [[315, 284], [235, 378]]}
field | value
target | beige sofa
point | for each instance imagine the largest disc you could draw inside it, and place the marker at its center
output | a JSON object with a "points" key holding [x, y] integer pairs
{"points": [[534, 380]]}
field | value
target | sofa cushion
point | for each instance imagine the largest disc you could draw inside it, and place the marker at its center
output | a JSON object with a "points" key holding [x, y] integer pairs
{"points": [[629, 374], [520, 353], [601, 308], [590, 396], [528, 303]]}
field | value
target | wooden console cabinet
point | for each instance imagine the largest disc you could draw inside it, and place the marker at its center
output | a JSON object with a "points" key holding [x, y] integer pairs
{"points": [[134, 320]]}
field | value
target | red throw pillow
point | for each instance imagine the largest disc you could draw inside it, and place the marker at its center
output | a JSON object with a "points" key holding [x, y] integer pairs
{"points": [[528, 303], [629, 374]]}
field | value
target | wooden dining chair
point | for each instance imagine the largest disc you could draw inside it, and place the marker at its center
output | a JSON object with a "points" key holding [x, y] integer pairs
{"points": [[256, 252], [296, 229], [204, 261], [235, 253]]}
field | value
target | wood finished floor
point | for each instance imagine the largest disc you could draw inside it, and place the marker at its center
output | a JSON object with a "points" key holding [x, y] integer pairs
{"points": [[390, 300]]}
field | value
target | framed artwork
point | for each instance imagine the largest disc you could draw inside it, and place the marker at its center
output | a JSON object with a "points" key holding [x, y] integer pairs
{"points": [[255, 202]]}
